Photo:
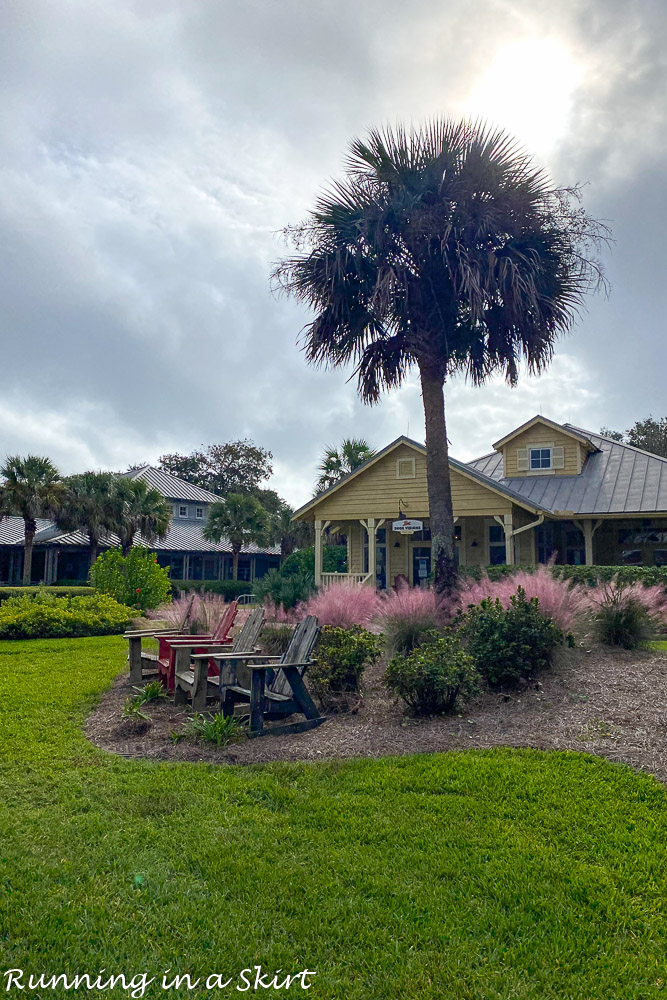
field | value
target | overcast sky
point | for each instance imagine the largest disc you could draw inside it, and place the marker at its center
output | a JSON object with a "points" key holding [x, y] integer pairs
{"points": [[151, 151]]}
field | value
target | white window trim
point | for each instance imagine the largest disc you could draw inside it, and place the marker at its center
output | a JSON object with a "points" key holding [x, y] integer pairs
{"points": [[541, 447], [182, 506], [491, 523], [410, 475], [199, 516]]}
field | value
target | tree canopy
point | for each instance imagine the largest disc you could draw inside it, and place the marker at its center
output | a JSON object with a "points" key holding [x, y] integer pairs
{"points": [[337, 462], [648, 434], [234, 467]]}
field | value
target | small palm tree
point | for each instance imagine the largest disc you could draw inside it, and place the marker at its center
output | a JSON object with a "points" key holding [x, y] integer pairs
{"points": [[138, 508], [32, 488], [242, 520], [443, 249], [90, 505], [289, 534], [339, 462]]}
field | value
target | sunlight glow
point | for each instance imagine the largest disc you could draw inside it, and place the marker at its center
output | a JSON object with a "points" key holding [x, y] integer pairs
{"points": [[528, 90]]}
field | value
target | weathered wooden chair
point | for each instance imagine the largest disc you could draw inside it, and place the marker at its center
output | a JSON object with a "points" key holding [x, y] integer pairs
{"points": [[136, 637], [277, 688], [199, 677], [161, 664]]}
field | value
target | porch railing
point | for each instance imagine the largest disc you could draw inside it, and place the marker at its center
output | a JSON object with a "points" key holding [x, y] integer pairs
{"points": [[329, 578]]}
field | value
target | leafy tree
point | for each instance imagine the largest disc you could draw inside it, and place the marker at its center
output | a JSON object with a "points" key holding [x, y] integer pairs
{"points": [[339, 462], [32, 488], [89, 504], [139, 508], [442, 248], [649, 435], [242, 520], [234, 467]]}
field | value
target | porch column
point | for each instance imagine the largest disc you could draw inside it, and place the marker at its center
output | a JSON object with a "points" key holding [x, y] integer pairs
{"points": [[320, 528], [588, 529], [507, 525], [371, 548]]}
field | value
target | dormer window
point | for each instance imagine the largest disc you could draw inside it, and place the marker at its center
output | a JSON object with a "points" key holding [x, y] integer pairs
{"points": [[199, 513], [540, 458], [183, 511]]}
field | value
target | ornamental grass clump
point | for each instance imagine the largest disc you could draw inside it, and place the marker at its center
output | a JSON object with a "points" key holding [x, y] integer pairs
{"points": [[627, 615], [207, 610], [435, 677], [509, 644], [565, 603], [343, 605], [211, 728], [405, 616]]}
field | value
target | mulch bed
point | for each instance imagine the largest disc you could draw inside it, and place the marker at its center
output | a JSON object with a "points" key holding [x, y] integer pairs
{"points": [[601, 701]]}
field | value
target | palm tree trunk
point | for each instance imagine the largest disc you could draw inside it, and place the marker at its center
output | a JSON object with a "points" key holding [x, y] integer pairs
{"points": [[443, 562], [30, 530], [235, 563], [93, 547]]}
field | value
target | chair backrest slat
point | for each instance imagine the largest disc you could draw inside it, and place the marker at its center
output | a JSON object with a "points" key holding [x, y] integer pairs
{"points": [[247, 638], [226, 622], [185, 621], [299, 650]]}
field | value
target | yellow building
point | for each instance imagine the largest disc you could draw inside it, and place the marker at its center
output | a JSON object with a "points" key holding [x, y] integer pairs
{"points": [[546, 491]]}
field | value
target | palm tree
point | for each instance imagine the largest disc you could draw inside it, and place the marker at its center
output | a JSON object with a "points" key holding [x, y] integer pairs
{"points": [[443, 249], [339, 462], [32, 489], [242, 520], [139, 508], [90, 505], [289, 534]]}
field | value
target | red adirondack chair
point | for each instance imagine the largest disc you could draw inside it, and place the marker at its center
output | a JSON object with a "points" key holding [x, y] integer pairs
{"points": [[169, 645]]}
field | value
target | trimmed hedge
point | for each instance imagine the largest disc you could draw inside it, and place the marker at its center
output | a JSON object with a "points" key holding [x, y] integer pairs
{"points": [[56, 591], [590, 575], [230, 589], [44, 616]]}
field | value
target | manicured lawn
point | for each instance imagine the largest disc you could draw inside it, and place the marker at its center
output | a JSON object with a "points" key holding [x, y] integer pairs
{"points": [[660, 644], [470, 875]]}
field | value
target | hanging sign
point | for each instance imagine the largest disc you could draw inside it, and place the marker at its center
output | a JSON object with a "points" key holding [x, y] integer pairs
{"points": [[407, 526]]}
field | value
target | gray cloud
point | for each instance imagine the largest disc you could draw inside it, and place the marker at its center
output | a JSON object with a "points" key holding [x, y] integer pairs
{"points": [[152, 152]]}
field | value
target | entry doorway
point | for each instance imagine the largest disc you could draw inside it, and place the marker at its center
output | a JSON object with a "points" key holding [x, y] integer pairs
{"points": [[421, 565]]}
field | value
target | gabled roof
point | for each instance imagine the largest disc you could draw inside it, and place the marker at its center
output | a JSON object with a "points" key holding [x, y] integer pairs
{"points": [[170, 486], [581, 436], [462, 467], [616, 479]]}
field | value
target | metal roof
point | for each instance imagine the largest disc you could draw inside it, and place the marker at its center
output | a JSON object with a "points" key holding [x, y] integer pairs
{"points": [[181, 537], [170, 486], [615, 479]]}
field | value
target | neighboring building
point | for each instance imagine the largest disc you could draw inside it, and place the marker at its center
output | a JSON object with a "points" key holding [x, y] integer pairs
{"points": [[546, 491], [62, 555]]}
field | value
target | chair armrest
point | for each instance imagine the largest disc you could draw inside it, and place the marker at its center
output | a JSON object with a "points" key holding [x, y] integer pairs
{"points": [[148, 632], [226, 654], [283, 666]]}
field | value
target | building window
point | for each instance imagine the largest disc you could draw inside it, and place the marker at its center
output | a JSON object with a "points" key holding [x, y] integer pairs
{"points": [[497, 554], [660, 557], [405, 468], [199, 513], [182, 511], [176, 567], [632, 557], [540, 458]]}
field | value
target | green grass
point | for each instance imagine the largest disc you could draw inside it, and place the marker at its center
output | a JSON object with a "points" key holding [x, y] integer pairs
{"points": [[659, 644], [467, 875]]}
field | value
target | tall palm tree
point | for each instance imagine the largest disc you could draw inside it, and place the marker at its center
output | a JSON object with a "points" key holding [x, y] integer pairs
{"points": [[338, 462], [289, 534], [242, 520], [444, 249], [32, 488], [90, 505], [139, 508]]}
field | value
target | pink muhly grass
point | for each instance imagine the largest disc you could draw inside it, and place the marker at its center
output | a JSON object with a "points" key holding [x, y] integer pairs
{"points": [[207, 610], [276, 613], [343, 605], [652, 599], [404, 615], [558, 599]]}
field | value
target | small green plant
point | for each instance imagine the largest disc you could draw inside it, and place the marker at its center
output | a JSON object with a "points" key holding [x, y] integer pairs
{"points": [[152, 691], [210, 728], [435, 677], [136, 579], [284, 591], [132, 709], [508, 644], [341, 656]]}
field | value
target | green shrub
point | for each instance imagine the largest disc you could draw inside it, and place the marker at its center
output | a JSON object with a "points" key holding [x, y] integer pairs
{"points": [[341, 656], [592, 576], [334, 560], [44, 616], [275, 638], [507, 644], [284, 591], [209, 728], [55, 591], [135, 579], [229, 589], [435, 676]]}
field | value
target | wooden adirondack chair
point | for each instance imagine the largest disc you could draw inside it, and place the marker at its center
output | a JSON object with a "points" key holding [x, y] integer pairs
{"points": [[200, 676], [276, 687], [162, 663], [136, 637]]}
